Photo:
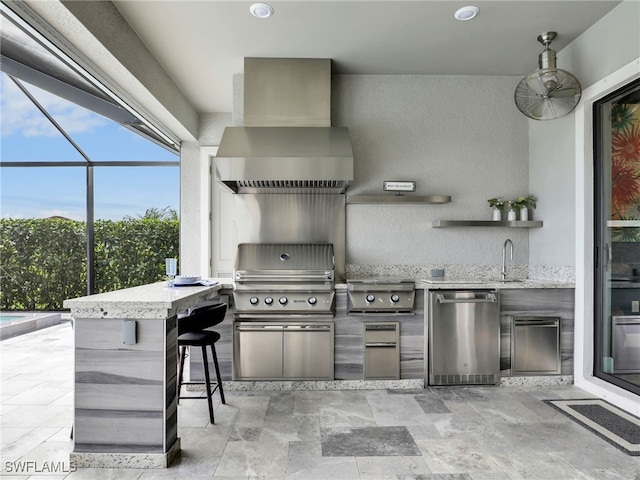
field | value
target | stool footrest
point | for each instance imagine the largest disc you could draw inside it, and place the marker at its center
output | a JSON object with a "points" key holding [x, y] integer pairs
{"points": [[214, 387]]}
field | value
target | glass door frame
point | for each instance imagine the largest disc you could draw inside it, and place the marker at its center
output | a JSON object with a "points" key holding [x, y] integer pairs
{"points": [[603, 252]]}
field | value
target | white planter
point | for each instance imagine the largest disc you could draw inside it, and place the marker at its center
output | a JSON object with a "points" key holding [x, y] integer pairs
{"points": [[511, 216], [497, 215], [524, 214]]}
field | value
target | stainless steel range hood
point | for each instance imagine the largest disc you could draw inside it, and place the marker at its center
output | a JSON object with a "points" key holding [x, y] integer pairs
{"points": [[255, 159], [287, 144]]}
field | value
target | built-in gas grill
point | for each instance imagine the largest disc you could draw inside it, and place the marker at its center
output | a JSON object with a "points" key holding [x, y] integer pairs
{"points": [[380, 295], [285, 302], [291, 280]]}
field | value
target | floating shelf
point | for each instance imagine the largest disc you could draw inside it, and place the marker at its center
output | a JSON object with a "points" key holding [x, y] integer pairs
{"points": [[403, 199], [485, 223]]}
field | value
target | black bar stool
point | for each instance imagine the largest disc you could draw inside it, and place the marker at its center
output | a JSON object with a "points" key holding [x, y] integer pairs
{"points": [[192, 332]]}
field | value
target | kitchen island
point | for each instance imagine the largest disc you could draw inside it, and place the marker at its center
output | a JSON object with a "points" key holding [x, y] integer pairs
{"points": [[125, 349], [550, 297]]}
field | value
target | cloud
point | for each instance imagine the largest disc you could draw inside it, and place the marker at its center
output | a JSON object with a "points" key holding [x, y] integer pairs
{"points": [[21, 117]]}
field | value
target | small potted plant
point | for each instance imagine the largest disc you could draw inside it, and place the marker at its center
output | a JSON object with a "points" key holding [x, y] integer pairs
{"points": [[511, 207], [523, 203], [498, 205]]}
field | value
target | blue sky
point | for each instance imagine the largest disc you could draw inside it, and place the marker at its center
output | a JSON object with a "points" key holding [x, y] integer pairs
{"points": [[27, 135]]}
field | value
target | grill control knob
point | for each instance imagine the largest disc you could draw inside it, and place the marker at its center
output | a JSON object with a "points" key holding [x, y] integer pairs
{"points": [[370, 297], [312, 300], [283, 300], [268, 300], [254, 300], [395, 298]]}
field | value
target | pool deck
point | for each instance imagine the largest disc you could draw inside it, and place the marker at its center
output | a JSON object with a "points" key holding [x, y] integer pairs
{"points": [[30, 322], [469, 433]]}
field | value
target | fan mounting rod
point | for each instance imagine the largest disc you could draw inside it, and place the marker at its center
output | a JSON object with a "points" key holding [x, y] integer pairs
{"points": [[546, 38], [547, 59]]}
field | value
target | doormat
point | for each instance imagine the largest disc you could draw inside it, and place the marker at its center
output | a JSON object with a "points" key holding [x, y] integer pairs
{"points": [[619, 428]]}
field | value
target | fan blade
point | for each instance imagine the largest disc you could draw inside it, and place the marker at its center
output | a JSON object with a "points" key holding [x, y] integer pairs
{"points": [[535, 84], [544, 109], [568, 92]]}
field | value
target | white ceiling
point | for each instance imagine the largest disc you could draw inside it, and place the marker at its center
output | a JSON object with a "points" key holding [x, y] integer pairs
{"points": [[201, 44]]}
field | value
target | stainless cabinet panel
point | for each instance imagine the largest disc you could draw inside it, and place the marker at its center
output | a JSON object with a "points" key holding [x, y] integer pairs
{"points": [[535, 346], [277, 351], [308, 352], [257, 352]]}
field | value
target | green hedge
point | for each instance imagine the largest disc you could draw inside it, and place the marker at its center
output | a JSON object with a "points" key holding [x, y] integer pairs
{"points": [[44, 261]]}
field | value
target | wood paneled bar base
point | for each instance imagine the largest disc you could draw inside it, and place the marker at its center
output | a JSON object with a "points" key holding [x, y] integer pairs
{"points": [[125, 408]]}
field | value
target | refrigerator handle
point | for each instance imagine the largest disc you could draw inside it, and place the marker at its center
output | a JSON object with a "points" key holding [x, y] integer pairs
{"points": [[487, 298]]}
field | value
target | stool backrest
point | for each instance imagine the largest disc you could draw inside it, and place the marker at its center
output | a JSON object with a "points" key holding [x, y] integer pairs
{"points": [[202, 318]]}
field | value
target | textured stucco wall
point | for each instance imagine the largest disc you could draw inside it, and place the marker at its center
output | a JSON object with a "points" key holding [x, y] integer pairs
{"points": [[195, 195], [607, 46], [552, 175], [212, 126], [454, 135], [191, 250]]}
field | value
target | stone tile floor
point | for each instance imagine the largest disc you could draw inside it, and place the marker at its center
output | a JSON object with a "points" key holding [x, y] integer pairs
{"points": [[461, 433]]}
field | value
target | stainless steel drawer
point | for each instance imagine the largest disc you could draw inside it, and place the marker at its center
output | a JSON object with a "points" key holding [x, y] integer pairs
{"points": [[381, 350]]}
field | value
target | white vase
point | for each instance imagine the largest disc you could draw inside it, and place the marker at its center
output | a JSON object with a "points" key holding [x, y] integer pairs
{"points": [[497, 215], [511, 216], [524, 214]]}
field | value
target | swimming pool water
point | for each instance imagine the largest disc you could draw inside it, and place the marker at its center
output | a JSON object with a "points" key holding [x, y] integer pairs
{"points": [[6, 317]]}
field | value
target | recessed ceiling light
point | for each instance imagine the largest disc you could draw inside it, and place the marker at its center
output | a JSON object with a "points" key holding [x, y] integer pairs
{"points": [[261, 10], [466, 13]]}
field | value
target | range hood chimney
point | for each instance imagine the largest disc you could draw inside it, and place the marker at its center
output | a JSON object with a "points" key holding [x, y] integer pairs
{"points": [[287, 144]]}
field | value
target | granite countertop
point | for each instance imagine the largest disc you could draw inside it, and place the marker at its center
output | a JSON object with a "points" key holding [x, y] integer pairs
{"points": [[434, 284], [155, 300]]}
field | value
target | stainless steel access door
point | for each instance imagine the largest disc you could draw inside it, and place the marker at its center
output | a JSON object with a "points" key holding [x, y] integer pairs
{"points": [[308, 351], [464, 337], [535, 346], [257, 351], [283, 351]]}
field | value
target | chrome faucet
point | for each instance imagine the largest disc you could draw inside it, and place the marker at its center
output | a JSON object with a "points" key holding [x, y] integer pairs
{"points": [[503, 273]]}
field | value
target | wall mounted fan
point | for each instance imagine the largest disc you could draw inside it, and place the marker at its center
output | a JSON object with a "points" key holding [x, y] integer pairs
{"points": [[549, 92]]}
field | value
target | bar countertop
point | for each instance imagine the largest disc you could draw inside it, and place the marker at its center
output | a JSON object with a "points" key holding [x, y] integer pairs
{"points": [[155, 300]]}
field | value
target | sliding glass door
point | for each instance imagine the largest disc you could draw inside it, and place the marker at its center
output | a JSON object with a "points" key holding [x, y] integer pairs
{"points": [[617, 237]]}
